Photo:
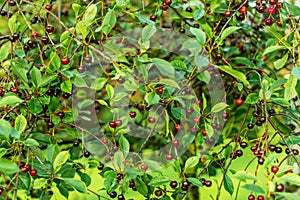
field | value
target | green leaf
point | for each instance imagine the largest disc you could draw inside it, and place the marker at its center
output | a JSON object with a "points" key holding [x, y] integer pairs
{"points": [[35, 106], [178, 113], [99, 83], [243, 176], [195, 182], [4, 51], [169, 82], [109, 21], [296, 72], [20, 72], [3, 151], [78, 81], [20, 123], [292, 9], [228, 185], [278, 64], [254, 188], [279, 37], [119, 159], [273, 48], [291, 178], [47, 80], [292, 140], [81, 29], [31, 142], [54, 61], [76, 7], [290, 88], [110, 91], [8, 167], [5, 129], [178, 64], [281, 127], [66, 86], [280, 101], [245, 61], [39, 183], [270, 159], [36, 77], [287, 196], [159, 181], [11, 100], [141, 187], [164, 67], [152, 165], [147, 32], [20, 53], [191, 162], [78, 185], [12, 23], [228, 31], [124, 145], [152, 98], [90, 14], [200, 35], [218, 107], [236, 74], [198, 14], [252, 98], [61, 159], [85, 178]]}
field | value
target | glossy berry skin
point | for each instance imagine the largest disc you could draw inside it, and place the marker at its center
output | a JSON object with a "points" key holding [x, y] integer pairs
{"points": [[151, 120], [196, 120], [239, 101], [48, 7], [104, 140], [243, 145], [33, 172], [61, 114], [35, 34], [278, 22], [50, 29], [169, 156], [65, 60], [160, 90], [1, 191], [132, 114], [113, 194], [227, 13], [269, 21], [260, 9], [260, 197], [45, 39], [1, 93], [121, 197], [164, 7], [274, 169], [75, 143], [261, 161], [173, 184], [118, 122], [208, 183], [12, 3], [177, 127], [273, 2], [251, 197], [189, 9], [144, 167], [225, 115], [88, 59], [181, 30], [158, 193], [271, 10], [175, 143], [86, 154], [243, 10], [153, 17], [280, 188]]}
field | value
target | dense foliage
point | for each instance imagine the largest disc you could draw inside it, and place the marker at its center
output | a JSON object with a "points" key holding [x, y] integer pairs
{"points": [[149, 99]]}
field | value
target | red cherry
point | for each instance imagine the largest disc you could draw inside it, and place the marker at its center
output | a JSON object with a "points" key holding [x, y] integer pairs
{"points": [[104, 140], [278, 22], [177, 127], [268, 21], [225, 115], [112, 124], [243, 10], [35, 34], [33, 172], [65, 60], [164, 7], [227, 13], [151, 120], [153, 17], [144, 167], [132, 114], [260, 197], [239, 101], [169, 156], [265, 58], [271, 10], [274, 169], [160, 90], [196, 120], [251, 197], [168, 2], [118, 122], [194, 131], [48, 7], [204, 133], [175, 143]]}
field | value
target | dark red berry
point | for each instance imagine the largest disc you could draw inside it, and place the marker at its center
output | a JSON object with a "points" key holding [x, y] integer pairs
{"points": [[160, 90], [153, 17], [144, 167], [181, 30], [227, 13], [33, 172], [12, 3], [132, 114], [65, 60], [81, 69], [168, 2], [260, 197], [45, 39], [118, 122], [151, 120], [86, 154], [274, 169], [48, 7], [189, 9], [208, 183], [268, 21], [279, 187], [239, 101], [113, 194], [173, 184], [243, 145], [251, 197], [158, 193], [169, 156], [50, 29], [243, 10]]}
